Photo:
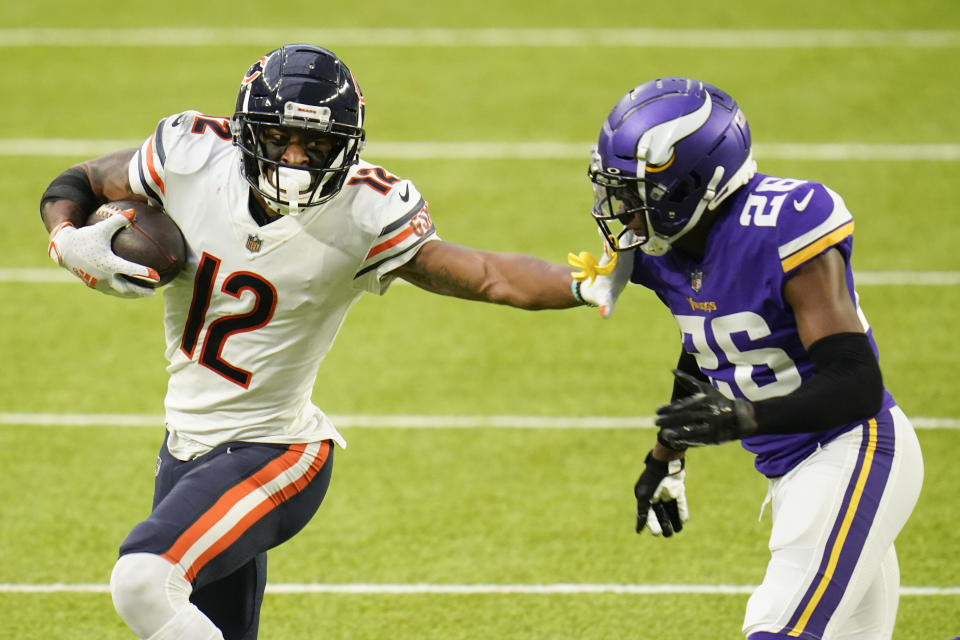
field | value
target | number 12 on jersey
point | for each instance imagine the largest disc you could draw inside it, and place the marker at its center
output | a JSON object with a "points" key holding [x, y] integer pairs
{"points": [[219, 330]]}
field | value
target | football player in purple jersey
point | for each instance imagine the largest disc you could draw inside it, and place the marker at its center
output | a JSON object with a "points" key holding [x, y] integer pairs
{"points": [[285, 227], [775, 353]]}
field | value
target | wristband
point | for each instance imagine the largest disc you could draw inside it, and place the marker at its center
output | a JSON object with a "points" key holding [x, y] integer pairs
{"points": [[575, 290], [665, 467]]}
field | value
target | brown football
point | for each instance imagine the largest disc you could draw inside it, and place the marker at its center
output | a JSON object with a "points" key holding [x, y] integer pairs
{"points": [[153, 239]]}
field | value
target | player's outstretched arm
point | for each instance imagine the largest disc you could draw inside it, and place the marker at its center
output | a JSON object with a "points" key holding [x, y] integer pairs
{"points": [[513, 279]]}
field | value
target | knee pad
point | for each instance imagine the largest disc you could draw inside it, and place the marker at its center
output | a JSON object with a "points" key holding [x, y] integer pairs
{"points": [[148, 591]]}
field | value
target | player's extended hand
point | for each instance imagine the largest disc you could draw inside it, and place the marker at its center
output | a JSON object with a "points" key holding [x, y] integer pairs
{"points": [[661, 497], [704, 417], [599, 283], [86, 253]]}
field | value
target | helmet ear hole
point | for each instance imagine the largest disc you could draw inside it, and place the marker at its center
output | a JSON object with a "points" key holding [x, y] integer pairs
{"points": [[680, 193], [696, 180]]}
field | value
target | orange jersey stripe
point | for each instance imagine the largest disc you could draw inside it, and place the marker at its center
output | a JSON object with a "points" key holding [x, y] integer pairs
{"points": [[386, 244], [213, 515], [151, 167]]}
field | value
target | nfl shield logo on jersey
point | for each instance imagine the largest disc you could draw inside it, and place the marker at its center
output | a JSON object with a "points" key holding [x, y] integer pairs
{"points": [[254, 242], [696, 281]]}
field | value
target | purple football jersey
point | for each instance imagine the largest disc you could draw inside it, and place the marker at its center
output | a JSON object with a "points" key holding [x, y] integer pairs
{"points": [[730, 307]]}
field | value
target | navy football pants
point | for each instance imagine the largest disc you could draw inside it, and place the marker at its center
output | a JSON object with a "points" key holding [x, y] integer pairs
{"points": [[216, 516]]}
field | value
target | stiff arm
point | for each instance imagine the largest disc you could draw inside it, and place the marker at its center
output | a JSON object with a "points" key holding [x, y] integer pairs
{"points": [[512, 279]]}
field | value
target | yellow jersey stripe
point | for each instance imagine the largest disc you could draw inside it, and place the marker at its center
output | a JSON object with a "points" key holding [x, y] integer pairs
{"points": [[811, 250]]}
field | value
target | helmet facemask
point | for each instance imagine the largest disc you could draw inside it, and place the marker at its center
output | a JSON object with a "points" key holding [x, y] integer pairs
{"points": [[305, 92], [286, 188], [618, 198]]}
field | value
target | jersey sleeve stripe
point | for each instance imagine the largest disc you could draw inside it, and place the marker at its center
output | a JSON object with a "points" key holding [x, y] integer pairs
{"points": [[161, 153], [804, 254], [396, 224], [395, 240], [406, 249], [837, 217], [145, 187], [152, 165]]}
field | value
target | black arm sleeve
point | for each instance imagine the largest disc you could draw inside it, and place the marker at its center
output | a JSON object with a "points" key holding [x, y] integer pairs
{"points": [[688, 364], [72, 185], [848, 386]]}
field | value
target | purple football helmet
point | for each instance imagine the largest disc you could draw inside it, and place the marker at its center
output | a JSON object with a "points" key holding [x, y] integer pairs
{"points": [[670, 149]]}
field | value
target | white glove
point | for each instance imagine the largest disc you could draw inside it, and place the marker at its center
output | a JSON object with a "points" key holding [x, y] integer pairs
{"points": [[86, 253], [661, 497], [671, 490], [599, 284]]}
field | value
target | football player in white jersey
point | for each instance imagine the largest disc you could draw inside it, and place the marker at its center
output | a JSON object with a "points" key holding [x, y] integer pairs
{"points": [[775, 353], [285, 228]]}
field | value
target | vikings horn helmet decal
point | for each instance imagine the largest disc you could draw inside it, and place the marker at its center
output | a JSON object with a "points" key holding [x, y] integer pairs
{"points": [[671, 149]]}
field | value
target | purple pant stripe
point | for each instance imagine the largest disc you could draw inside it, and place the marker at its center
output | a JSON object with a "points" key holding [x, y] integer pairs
{"points": [[861, 500]]}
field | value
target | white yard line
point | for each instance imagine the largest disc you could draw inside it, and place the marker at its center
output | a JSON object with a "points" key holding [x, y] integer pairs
{"points": [[485, 37], [923, 278], [54, 275], [30, 275], [473, 589], [533, 150], [403, 421]]}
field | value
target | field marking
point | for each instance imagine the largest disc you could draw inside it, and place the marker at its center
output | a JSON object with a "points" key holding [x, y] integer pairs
{"points": [[399, 421], [55, 275], [481, 150], [474, 589], [560, 37], [886, 278]]}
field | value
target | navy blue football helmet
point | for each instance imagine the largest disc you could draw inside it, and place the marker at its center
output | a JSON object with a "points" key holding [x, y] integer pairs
{"points": [[306, 88], [671, 149]]}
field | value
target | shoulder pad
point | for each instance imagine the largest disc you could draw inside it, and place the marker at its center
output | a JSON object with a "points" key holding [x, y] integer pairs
{"points": [[814, 218], [189, 138], [181, 143]]}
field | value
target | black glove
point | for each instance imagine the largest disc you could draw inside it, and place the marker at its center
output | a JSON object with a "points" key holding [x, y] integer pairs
{"points": [[660, 489], [705, 417]]}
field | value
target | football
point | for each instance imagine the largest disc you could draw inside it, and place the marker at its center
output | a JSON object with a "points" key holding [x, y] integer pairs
{"points": [[153, 239]]}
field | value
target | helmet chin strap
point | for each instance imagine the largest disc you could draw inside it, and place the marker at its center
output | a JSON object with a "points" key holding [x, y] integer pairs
{"points": [[658, 245], [739, 178]]}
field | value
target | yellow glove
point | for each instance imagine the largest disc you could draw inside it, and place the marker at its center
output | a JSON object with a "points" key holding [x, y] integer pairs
{"points": [[589, 267], [599, 283]]}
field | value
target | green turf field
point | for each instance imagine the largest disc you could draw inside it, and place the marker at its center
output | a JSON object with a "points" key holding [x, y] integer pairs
{"points": [[491, 509]]}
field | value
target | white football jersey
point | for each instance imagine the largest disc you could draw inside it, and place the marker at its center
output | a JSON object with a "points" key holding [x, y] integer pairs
{"points": [[256, 308]]}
